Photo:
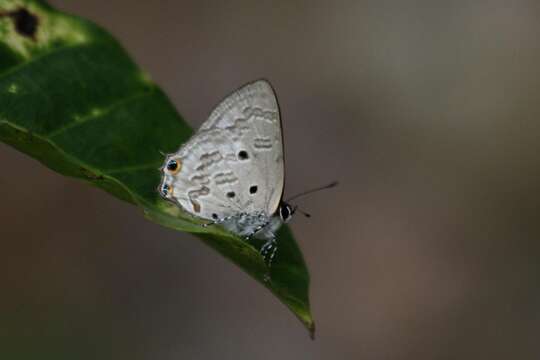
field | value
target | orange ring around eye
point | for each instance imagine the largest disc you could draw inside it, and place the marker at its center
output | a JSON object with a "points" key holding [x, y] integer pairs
{"points": [[166, 190], [174, 166]]}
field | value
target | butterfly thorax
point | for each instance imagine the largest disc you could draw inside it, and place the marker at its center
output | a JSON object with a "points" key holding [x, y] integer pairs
{"points": [[258, 224]]}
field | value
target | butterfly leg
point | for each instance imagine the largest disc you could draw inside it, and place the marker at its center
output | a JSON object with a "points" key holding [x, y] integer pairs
{"points": [[216, 222], [268, 252], [256, 230], [269, 249]]}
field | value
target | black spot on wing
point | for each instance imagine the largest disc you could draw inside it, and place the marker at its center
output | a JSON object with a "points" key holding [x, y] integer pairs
{"points": [[243, 155], [172, 165]]}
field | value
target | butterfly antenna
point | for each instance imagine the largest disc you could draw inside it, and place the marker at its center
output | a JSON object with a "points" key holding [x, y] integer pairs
{"points": [[296, 208], [328, 186]]}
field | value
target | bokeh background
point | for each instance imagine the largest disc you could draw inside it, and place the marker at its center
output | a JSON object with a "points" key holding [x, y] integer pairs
{"points": [[427, 112]]}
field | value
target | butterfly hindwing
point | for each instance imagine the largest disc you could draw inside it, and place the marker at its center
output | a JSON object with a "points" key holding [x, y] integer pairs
{"points": [[234, 163]]}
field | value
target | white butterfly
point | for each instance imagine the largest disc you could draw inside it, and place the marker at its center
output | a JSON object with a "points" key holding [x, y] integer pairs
{"points": [[231, 171]]}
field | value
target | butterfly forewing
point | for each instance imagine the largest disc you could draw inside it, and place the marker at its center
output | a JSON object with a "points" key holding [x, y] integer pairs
{"points": [[234, 163]]}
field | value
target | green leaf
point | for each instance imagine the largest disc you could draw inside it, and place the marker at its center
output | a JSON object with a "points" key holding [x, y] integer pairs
{"points": [[71, 98]]}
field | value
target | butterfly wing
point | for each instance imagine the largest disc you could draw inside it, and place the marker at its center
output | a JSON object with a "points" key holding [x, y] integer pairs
{"points": [[234, 163]]}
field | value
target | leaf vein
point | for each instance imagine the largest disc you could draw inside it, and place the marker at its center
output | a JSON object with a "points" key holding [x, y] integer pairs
{"points": [[102, 113], [37, 58], [125, 169]]}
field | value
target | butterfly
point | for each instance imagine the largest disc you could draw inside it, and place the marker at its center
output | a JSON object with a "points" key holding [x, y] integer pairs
{"points": [[231, 171]]}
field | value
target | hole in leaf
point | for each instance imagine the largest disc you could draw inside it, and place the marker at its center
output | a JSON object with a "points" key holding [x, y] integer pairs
{"points": [[26, 23]]}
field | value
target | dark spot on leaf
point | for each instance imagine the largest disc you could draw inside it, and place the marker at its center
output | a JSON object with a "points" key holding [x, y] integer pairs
{"points": [[253, 189], [243, 155], [25, 22], [231, 194]]}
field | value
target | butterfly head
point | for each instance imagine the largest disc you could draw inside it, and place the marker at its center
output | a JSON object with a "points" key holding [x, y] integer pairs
{"points": [[286, 211]]}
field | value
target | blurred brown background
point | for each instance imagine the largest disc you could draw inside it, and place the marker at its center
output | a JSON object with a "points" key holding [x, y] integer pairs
{"points": [[426, 111]]}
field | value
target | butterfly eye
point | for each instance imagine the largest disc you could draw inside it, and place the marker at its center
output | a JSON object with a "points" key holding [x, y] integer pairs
{"points": [[285, 212], [174, 166], [214, 216]]}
